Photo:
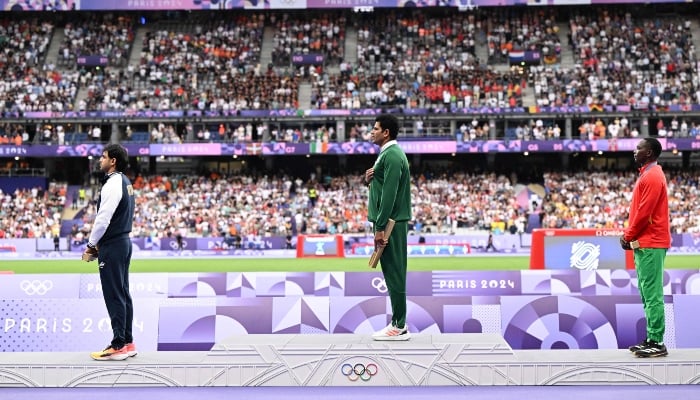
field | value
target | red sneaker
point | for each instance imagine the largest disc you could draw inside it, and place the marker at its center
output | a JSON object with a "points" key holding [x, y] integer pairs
{"points": [[131, 349]]}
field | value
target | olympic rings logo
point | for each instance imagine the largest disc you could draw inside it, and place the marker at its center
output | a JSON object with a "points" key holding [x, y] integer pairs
{"points": [[36, 287], [359, 371], [379, 284]]}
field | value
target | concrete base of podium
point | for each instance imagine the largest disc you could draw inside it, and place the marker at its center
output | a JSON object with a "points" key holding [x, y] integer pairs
{"points": [[352, 360]]}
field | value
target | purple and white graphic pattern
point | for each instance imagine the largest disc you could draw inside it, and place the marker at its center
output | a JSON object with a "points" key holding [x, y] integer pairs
{"points": [[559, 322], [46, 324], [192, 311]]}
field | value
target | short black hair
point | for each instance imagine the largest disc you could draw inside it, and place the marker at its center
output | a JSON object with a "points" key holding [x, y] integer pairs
{"points": [[390, 122], [119, 153], [655, 147]]}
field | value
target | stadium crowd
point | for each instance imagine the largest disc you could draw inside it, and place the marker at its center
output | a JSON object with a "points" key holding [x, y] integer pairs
{"points": [[209, 62], [32, 213], [415, 60], [27, 82], [620, 59], [621, 56], [97, 34], [266, 205], [523, 30], [308, 34], [591, 200]]}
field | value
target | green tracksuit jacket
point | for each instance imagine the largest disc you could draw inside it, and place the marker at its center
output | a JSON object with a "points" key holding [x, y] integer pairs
{"points": [[390, 197], [390, 189]]}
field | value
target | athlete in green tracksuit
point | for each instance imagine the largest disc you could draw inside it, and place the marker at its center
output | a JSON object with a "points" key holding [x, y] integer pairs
{"points": [[390, 197]]}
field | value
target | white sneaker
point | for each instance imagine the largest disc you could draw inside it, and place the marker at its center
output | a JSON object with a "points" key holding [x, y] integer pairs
{"points": [[392, 333]]}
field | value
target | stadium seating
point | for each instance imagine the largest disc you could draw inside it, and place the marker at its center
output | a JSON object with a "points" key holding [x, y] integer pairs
{"points": [[308, 33], [27, 81], [97, 34], [404, 57], [32, 213], [523, 30], [280, 205], [623, 59]]}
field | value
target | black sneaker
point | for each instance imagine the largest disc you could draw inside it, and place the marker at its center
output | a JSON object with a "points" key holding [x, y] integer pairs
{"points": [[639, 346], [653, 349]]}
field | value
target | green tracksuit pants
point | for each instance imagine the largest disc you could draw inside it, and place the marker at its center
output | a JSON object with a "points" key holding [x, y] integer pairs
{"points": [[394, 262], [649, 264]]}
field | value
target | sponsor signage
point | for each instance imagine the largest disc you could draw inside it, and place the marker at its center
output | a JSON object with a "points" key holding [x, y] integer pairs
{"points": [[92, 61]]}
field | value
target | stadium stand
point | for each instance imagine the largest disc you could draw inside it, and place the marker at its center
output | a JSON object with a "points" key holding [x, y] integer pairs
{"points": [[97, 34], [223, 63], [29, 81], [443, 203], [308, 33], [32, 213], [623, 59], [520, 30], [404, 57]]}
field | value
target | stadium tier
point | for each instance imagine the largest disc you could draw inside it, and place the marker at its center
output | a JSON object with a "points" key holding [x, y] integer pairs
{"points": [[213, 100], [206, 64], [244, 210]]}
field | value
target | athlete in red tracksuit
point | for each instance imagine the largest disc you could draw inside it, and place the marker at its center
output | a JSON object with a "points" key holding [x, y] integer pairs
{"points": [[648, 234]]}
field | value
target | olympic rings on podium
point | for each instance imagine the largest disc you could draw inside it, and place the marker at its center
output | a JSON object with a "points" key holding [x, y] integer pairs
{"points": [[359, 371]]}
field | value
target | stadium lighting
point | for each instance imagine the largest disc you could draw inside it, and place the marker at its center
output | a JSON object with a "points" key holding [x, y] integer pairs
{"points": [[526, 153], [235, 156], [600, 152]]}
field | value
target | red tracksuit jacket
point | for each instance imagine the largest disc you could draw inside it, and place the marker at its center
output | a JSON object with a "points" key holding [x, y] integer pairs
{"points": [[649, 215]]}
